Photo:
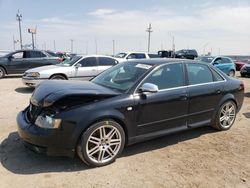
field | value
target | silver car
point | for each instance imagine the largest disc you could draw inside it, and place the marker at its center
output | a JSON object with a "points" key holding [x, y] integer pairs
{"points": [[79, 67]]}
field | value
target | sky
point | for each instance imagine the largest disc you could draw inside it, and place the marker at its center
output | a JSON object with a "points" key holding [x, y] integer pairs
{"points": [[217, 26]]}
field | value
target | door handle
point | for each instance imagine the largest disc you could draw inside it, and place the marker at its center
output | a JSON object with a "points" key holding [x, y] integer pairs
{"points": [[218, 91], [184, 97]]}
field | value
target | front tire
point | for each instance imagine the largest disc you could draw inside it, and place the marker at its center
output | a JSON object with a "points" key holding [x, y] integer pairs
{"points": [[225, 116], [101, 143], [2, 72]]}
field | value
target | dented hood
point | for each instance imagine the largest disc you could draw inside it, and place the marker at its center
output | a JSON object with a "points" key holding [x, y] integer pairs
{"points": [[49, 92]]}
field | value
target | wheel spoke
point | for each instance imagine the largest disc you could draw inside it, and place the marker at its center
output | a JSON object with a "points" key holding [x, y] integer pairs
{"points": [[110, 152], [114, 142], [222, 118], [94, 140], [111, 133], [102, 132], [94, 150], [101, 155]]}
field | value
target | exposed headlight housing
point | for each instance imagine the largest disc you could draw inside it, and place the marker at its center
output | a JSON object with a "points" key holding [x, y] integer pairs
{"points": [[48, 122], [32, 74]]}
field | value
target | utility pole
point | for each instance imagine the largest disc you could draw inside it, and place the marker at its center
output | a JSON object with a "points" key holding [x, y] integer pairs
{"points": [[72, 41], [113, 47], [87, 47], [96, 50], [149, 30], [19, 19], [54, 45], [173, 42]]}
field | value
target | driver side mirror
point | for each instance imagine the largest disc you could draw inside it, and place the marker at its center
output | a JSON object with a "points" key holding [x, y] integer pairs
{"points": [[78, 65], [148, 87]]}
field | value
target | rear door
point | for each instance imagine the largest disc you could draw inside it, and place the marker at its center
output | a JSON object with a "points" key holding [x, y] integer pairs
{"points": [[36, 59], [88, 68], [105, 63], [205, 92]]}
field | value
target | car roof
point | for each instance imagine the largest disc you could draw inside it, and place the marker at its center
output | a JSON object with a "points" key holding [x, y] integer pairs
{"points": [[159, 61]]}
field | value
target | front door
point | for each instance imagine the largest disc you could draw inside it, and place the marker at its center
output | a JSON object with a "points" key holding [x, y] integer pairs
{"points": [[166, 109], [17, 63], [88, 69]]}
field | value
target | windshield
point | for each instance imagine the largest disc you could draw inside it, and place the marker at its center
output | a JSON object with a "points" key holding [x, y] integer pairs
{"points": [[122, 76], [205, 59], [70, 62], [120, 55]]}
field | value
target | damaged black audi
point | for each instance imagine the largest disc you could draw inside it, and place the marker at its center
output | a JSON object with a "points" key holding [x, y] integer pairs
{"points": [[128, 103]]}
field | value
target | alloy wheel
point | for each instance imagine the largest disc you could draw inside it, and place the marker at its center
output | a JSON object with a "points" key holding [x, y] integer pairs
{"points": [[103, 144], [227, 115]]}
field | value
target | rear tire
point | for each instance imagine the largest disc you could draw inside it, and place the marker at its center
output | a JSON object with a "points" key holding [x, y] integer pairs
{"points": [[101, 143], [2, 72], [225, 117], [57, 77]]}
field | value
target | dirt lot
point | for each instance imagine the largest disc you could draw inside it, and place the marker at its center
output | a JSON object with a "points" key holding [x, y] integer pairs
{"points": [[197, 158]]}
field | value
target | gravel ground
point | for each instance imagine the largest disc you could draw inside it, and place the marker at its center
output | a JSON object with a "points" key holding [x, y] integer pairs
{"points": [[197, 158]]}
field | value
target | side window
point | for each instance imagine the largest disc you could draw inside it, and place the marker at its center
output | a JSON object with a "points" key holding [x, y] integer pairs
{"points": [[88, 62], [17, 55], [218, 61], [140, 56], [105, 61], [136, 56], [198, 74], [225, 60], [168, 76], [217, 77]]}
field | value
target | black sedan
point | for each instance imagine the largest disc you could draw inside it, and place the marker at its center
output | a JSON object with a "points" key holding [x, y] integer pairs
{"points": [[128, 103], [19, 61], [245, 70]]}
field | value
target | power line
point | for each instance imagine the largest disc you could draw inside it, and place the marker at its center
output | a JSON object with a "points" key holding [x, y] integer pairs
{"points": [[149, 30]]}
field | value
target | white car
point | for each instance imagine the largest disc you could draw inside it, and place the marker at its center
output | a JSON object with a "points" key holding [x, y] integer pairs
{"points": [[124, 56], [79, 68]]}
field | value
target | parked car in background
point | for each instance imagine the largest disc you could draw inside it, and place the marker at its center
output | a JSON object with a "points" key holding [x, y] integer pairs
{"points": [[166, 53], [225, 64], [78, 67], [19, 61], [128, 103], [245, 70], [240, 63], [123, 56], [186, 54]]}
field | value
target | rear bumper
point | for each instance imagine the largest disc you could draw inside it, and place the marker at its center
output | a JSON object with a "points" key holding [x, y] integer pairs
{"points": [[48, 141]]}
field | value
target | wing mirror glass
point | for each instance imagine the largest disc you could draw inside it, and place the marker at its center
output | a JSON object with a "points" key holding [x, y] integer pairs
{"points": [[148, 87]]}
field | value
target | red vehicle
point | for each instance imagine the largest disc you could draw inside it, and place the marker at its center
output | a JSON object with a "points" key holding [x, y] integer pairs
{"points": [[240, 63]]}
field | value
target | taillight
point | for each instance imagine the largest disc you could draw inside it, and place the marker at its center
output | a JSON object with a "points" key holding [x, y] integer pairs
{"points": [[242, 85], [59, 59]]}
